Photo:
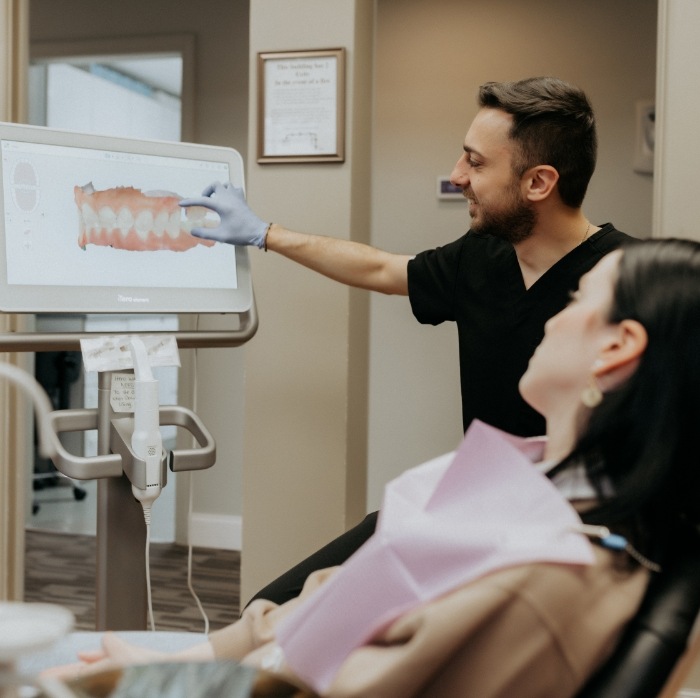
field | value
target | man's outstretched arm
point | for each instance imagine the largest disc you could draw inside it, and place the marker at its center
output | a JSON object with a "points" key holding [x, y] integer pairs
{"points": [[351, 263]]}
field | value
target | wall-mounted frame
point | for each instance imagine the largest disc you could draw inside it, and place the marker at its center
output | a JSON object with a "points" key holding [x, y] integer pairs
{"points": [[301, 106]]}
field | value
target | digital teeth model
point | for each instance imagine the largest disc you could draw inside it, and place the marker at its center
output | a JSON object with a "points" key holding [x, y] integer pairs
{"points": [[128, 219]]}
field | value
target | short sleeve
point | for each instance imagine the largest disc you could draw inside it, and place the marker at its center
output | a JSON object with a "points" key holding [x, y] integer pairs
{"points": [[432, 280]]}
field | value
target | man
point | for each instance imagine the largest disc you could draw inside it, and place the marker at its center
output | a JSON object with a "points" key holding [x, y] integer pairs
{"points": [[527, 160]]}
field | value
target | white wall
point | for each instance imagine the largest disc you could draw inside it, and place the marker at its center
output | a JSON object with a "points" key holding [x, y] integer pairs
{"points": [[81, 101], [678, 138], [430, 59]]}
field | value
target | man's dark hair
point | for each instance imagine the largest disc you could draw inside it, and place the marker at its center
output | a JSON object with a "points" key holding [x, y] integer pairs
{"points": [[553, 124]]}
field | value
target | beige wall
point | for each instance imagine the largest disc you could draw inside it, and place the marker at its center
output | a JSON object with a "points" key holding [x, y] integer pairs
{"points": [[307, 373], [431, 57]]}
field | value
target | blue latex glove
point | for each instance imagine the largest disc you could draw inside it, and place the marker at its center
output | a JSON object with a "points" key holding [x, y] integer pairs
{"points": [[238, 224]]}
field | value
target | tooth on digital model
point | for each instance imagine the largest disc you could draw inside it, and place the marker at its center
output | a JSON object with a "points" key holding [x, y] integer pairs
{"points": [[129, 219]]}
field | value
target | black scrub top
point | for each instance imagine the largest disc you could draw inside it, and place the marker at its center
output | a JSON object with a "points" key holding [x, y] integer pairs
{"points": [[476, 282]]}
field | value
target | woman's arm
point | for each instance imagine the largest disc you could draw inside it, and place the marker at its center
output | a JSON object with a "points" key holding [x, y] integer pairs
{"points": [[529, 631], [115, 653]]}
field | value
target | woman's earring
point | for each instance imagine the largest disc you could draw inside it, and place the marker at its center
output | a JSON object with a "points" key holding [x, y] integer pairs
{"points": [[591, 395]]}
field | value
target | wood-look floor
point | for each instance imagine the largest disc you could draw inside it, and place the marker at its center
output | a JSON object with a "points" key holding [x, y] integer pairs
{"points": [[60, 568]]}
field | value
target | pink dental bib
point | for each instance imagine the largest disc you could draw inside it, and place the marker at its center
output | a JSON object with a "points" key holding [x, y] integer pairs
{"points": [[443, 524]]}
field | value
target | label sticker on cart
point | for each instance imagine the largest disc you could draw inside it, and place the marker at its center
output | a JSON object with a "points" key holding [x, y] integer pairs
{"points": [[122, 392]]}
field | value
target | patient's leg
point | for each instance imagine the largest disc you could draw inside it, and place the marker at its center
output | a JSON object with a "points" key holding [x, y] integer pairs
{"points": [[289, 585]]}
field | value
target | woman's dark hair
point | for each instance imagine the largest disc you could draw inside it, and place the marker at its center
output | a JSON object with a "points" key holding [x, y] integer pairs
{"points": [[643, 437], [553, 124]]}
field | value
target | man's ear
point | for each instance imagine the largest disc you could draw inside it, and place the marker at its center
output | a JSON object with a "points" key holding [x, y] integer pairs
{"points": [[620, 357], [540, 181]]}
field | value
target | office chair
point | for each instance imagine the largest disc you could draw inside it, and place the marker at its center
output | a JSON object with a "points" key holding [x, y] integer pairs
{"points": [[657, 637], [55, 371]]}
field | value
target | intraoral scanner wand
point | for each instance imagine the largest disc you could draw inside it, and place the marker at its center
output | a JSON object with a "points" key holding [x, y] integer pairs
{"points": [[146, 440], [147, 443]]}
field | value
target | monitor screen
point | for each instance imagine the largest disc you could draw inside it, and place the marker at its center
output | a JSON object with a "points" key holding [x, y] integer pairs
{"points": [[91, 224]]}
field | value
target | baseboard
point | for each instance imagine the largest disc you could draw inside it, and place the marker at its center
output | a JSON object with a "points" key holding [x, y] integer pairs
{"points": [[216, 531]]}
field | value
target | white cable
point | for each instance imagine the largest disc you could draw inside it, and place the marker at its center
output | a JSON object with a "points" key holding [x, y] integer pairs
{"points": [[189, 564], [147, 518], [189, 508]]}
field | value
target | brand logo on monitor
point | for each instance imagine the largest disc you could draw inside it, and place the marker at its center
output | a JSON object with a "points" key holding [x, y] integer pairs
{"points": [[131, 299]]}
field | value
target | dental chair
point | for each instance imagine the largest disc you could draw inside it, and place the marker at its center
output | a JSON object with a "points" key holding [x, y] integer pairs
{"points": [[650, 651]]}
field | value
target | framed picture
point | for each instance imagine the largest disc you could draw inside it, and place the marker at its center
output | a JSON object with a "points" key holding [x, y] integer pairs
{"points": [[301, 106], [447, 190]]}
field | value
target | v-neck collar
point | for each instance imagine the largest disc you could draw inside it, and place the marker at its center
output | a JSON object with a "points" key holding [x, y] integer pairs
{"points": [[562, 261]]}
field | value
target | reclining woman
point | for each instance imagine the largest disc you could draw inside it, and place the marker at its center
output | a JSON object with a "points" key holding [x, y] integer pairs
{"points": [[490, 576]]}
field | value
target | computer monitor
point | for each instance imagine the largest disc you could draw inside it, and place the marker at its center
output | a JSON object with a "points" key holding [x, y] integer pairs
{"points": [[91, 224]]}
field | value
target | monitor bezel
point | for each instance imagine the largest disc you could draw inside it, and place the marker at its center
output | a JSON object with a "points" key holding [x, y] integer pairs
{"points": [[52, 299]]}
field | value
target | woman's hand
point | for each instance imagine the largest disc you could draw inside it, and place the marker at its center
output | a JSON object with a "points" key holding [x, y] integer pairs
{"points": [[114, 653]]}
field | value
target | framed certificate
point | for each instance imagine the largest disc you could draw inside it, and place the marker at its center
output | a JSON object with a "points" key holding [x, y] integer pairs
{"points": [[301, 106]]}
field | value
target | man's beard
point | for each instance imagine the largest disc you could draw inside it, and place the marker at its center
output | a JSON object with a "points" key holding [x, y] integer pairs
{"points": [[513, 223]]}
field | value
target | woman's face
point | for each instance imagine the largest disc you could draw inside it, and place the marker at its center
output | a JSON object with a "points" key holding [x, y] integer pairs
{"points": [[562, 365]]}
